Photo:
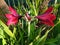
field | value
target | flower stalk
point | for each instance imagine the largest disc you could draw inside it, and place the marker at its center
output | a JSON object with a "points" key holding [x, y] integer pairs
{"points": [[28, 28]]}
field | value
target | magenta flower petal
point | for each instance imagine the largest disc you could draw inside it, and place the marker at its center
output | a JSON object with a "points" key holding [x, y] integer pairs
{"points": [[13, 17], [48, 22], [13, 11], [43, 16], [49, 10], [9, 16], [10, 22], [52, 16]]}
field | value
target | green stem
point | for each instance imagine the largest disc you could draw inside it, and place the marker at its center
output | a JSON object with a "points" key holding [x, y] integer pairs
{"points": [[34, 9], [54, 25], [28, 31], [28, 28]]}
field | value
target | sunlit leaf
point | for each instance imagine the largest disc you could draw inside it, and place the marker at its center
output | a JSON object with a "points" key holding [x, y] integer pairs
{"points": [[6, 29]]}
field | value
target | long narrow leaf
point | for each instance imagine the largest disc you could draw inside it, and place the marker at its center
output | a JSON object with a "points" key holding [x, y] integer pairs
{"points": [[6, 29]]}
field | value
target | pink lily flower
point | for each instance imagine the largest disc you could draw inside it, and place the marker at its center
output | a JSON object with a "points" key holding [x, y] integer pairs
{"points": [[48, 17], [12, 17]]}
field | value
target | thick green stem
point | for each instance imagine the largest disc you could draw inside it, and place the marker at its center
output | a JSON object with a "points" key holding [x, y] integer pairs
{"points": [[28, 31], [28, 28]]}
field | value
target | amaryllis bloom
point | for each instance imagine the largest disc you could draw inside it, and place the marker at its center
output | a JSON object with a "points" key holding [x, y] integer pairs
{"points": [[12, 17], [27, 17], [48, 17]]}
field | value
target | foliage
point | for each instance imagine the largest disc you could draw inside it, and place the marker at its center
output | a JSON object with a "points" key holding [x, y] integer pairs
{"points": [[31, 32]]}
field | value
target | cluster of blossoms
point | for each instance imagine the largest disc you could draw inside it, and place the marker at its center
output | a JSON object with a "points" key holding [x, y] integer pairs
{"points": [[46, 18]]}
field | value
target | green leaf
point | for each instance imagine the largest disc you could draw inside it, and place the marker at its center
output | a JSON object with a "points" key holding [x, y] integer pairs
{"points": [[49, 41], [6, 29], [56, 30], [41, 40], [1, 33], [32, 28], [2, 36]]}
